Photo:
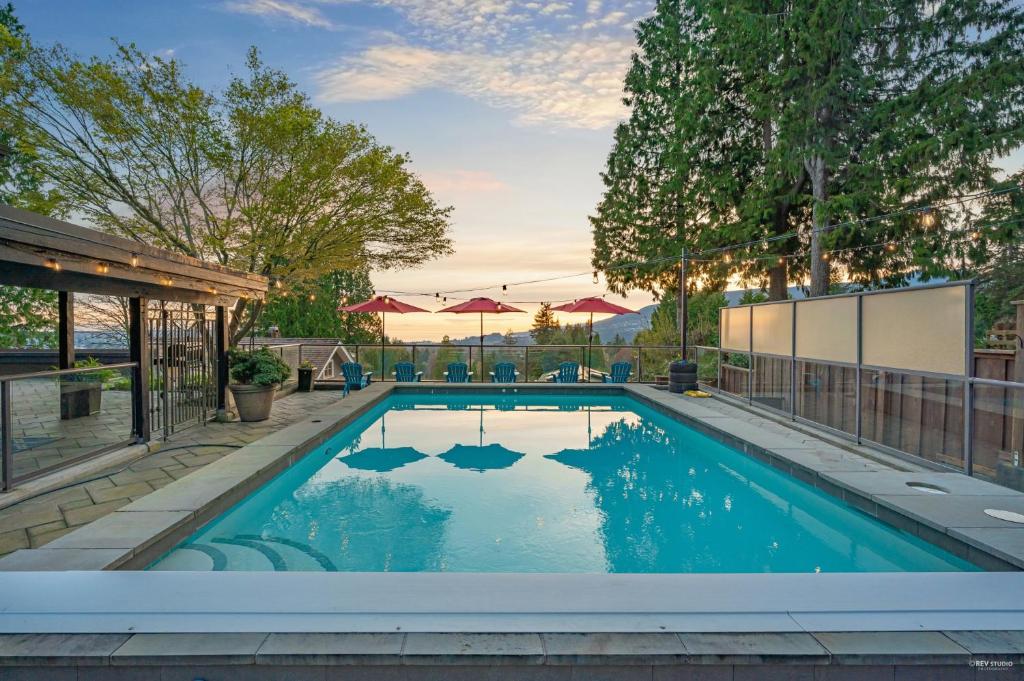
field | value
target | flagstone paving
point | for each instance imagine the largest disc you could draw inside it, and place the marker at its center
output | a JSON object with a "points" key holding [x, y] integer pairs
{"points": [[39, 521]]}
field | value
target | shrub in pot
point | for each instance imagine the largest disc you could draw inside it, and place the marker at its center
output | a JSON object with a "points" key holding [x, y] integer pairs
{"points": [[255, 377], [306, 377]]}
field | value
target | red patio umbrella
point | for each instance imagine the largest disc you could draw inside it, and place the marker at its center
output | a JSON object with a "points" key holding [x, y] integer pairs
{"points": [[383, 305], [482, 306], [592, 305]]}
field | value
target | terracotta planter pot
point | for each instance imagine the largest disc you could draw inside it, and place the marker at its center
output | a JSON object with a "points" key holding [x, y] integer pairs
{"points": [[253, 402]]}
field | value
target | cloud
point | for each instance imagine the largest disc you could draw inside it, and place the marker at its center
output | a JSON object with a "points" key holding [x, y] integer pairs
{"points": [[514, 55], [575, 84], [281, 9], [475, 181]]}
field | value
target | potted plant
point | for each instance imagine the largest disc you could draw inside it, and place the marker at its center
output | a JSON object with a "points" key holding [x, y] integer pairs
{"points": [[81, 393], [306, 377], [256, 377]]}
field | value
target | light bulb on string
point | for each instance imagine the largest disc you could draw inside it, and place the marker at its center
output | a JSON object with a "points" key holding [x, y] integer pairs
{"points": [[826, 256], [891, 247], [134, 260], [312, 297], [928, 220], [504, 289], [975, 235]]}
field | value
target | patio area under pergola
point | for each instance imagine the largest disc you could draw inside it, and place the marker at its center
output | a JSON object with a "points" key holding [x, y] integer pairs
{"points": [[177, 337]]}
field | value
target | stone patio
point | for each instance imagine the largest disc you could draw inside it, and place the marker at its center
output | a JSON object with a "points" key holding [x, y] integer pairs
{"points": [[38, 521]]}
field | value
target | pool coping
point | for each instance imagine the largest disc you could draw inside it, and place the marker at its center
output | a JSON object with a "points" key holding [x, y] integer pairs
{"points": [[135, 535]]}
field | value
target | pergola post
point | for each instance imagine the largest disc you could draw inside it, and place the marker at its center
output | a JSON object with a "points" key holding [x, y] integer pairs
{"points": [[65, 329], [222, 362], [138, 351]]}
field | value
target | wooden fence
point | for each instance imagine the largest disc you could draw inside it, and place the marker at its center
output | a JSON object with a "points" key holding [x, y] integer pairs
{"points": [[914, 414]]}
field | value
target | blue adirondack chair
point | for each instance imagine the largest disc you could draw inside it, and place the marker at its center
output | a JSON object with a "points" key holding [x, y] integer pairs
{"points": [[458, 372], [355, 377], [568, 372], [504, 372], [405, 372], [619, 374]]}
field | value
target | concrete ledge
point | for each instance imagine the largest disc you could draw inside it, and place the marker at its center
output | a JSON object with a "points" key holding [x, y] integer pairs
{"points": [[510, 656]]}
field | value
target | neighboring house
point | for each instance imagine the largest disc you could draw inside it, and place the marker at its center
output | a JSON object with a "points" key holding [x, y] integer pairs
{"points": [[325, 354]]}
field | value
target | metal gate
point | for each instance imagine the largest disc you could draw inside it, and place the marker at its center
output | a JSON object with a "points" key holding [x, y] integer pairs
{"points": [[183, 375]]}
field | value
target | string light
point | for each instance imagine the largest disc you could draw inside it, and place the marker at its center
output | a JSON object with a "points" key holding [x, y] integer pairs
{"points": [[928, 220], [595, 276], [277, 283], [825, 256], [312, 297], [975, 235], [102, 268], [504, 289], [782, 261], [134, 260], [891, 247], [212, 290], [52, 264]]}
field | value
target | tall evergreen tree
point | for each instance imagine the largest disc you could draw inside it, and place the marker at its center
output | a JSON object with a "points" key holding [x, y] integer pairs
{"points": [[798, 115]]}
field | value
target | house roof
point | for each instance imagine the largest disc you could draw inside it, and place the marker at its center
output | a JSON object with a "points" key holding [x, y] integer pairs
{"points": [[317, 351]]}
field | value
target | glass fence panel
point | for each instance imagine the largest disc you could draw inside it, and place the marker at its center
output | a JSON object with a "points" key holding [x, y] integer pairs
{"points": [[771, 382], [57, 419], [545, 360], [918, 415], [654, 363], [999, 434], [735, 373], [827, 394], [514, 354], [614, 354], [707, 365]]}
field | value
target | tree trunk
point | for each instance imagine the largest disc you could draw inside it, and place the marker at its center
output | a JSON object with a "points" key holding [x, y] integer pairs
{"points": [[820, 270], [778, 283]]}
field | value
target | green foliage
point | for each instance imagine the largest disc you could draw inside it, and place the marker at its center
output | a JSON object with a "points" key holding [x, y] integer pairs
{"points": [[545, 325], [258, 367], [1000, 250], [101, 375], [252, 177], [28, 317], [750, 119], [310, 309]]}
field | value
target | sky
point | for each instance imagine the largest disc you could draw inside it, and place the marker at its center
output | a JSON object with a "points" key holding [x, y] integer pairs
{"points": [[506, 108]]}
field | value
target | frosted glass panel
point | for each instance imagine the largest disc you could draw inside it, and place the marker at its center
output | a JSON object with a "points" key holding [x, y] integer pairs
{"points": [[736, 328], [919, 330], [773, 329], [826, 329]]}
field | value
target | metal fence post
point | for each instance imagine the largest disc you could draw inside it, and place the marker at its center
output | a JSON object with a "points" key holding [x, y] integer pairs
{"points": [[792, 367], [750, 357], [8, 436], [527, 370], [859, 372], [968, 384]]}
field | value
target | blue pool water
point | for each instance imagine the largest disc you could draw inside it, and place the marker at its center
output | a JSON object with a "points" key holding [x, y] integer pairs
{"points": [[489, 483]]}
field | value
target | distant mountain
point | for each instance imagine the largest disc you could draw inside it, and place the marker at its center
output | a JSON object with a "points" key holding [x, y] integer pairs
{"points": [[626, 325]]}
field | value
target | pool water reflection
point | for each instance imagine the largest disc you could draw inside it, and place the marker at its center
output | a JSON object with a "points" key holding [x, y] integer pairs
{"points": [[485, 483]]}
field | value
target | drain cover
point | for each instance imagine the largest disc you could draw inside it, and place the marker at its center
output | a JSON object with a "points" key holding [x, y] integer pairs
{"points": [[926, 487], [1008, 516]]}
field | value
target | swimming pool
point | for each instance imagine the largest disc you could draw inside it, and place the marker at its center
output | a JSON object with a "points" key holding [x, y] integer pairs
{"points": [[541, 483]]}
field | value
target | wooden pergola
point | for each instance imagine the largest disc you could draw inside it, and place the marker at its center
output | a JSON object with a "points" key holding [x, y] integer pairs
{"points": [[40, 252]]}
